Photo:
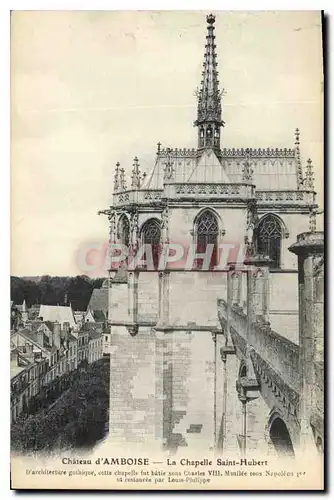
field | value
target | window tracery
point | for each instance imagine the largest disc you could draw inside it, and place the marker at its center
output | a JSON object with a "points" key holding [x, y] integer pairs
{"points": [[151, 235], [207, 233], [268, 239]]}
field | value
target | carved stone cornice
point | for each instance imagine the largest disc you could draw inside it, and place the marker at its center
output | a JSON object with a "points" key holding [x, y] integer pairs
{"points": [[177, 152]]}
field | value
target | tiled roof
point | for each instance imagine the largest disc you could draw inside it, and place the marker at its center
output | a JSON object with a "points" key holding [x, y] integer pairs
{"points": [[32, 336], [49, 324], [94, 334], [99, 316], [15, 369], [57, 313], [99, 300], [71, 338]]}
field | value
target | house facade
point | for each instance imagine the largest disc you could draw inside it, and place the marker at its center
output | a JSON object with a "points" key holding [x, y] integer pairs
{"points": [[43, 354]]}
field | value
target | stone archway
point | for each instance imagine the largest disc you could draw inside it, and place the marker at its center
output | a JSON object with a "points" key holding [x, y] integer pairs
{"points": [[280, 438]]}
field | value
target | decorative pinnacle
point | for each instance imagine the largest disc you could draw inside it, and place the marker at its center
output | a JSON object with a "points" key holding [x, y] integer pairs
{"points": [[297, 136], [168, 166], [247, 168], [159, 148], [309, 175], [122, 180], [135, 182], [116, 178], [300, 179]]}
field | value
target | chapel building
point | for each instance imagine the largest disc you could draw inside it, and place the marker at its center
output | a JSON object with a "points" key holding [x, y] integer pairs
{"points": [[162, 321]]}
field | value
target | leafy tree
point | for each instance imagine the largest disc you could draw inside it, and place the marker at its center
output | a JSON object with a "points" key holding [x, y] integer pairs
{"points": [[78, 419], [53, 290]]}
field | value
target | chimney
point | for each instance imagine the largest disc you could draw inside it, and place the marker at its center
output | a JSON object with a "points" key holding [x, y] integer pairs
{"points": [[40, 337], [28, 352], [37, 355], [66, 330], [56, 334]]}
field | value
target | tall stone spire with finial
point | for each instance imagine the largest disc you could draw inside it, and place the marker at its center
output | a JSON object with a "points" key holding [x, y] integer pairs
{"points": [[209, 109], [135, 179]]}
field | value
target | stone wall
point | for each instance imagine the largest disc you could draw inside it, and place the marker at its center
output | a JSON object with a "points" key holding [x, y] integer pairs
{"points": [[135, 388], [118, 302], [148, 297], [189, 380], [193, 297]]}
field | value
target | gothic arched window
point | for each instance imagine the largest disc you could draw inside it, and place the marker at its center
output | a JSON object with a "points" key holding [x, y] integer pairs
{"points": [[151, 234], [207, 233], [268, 239], [123, 230]]}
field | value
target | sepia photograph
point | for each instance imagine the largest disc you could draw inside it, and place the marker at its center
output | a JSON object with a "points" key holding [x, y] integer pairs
{"points": [[167, 250]]}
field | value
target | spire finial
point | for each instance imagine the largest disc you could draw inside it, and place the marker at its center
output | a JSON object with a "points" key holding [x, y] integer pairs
{"points": [[210, 19], [209, 110], [116, 178]]}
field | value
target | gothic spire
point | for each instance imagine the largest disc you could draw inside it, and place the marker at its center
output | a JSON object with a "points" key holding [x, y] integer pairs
{"points": [[209, 110]]}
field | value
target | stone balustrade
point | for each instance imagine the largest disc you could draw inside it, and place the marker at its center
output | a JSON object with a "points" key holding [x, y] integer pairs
{"points": [[279, 352], [140, 196], [203, 190], [258, 153], [285, 197], [231, 152], [215, 190]]}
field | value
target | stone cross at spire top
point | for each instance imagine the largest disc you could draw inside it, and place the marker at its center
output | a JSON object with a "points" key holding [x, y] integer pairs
{"points": [[209, 109]]}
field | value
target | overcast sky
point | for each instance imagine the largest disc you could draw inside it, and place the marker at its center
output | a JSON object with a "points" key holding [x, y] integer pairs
{"points": [[93, 88]]}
